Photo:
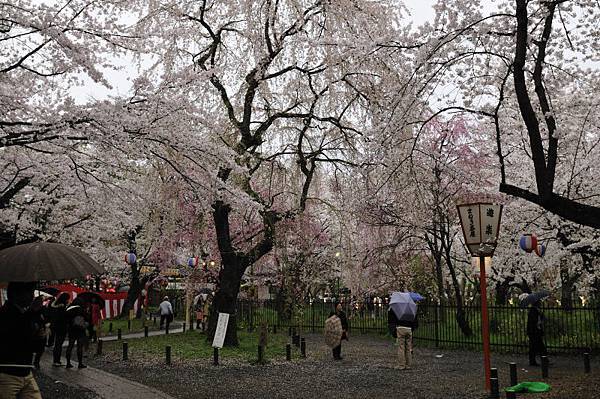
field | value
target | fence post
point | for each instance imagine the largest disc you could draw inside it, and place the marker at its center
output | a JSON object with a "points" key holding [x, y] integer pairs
{"points": [[119, 334], [312, 310], [125, 350], [586, 363], [145, 331], [99, 347], [303, 347], [513, 374], [436, 325], [261, 350], [544, 366], [288, 352], [110, 327], [274, 328], [215, 356], [168, 355]]}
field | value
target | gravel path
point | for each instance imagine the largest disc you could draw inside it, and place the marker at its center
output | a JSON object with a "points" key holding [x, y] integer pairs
{"points": [[367, 371]]}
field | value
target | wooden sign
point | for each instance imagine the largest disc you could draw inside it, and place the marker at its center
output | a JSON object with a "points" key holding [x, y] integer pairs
{"points": [[221, 330]]}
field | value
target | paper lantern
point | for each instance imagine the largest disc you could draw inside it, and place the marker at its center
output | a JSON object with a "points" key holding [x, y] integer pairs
{"points": [[130, 258], [528, 242], [193, 261], [540, 250]]}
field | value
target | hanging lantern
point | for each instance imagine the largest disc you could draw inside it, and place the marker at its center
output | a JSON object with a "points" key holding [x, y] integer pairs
{"points": [[528, 242], [540, 250], [130, 258], [193, 261]]}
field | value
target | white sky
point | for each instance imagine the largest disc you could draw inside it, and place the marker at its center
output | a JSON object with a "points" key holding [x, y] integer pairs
{"points": [[121, 81]]}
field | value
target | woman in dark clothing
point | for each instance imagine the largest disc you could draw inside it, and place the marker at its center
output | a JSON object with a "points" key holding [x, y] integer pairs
{"points": [[337, 351], [58, 325], [535, 332], [78, 323]]}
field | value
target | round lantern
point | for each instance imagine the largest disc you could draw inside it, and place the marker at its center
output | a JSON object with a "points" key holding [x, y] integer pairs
{"points": [[130, 258], [193, 261], [528, 242], [540, 250]]}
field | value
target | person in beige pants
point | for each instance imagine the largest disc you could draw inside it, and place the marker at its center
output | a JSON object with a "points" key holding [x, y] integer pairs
{"points": [[404, 341]]}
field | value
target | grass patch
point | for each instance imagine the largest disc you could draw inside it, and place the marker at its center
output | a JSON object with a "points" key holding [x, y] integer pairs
{"points": [[193, 345]]}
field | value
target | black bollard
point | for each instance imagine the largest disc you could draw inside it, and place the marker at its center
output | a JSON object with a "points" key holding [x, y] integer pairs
{"points": [[184, 327], [494, 388], [544, 366], [274, 328], [288, 352], [128, 325], [511, 395], [145, 331], [191, 324], [119, 333], [167, 329], [303, 347], [586, 363], [296, 340], [289, 331], [154, 320], [513, 374], [99, 347], [216, 356], [125, 351], [261, 351], [493, 372], [168, 355], [110, 327]]}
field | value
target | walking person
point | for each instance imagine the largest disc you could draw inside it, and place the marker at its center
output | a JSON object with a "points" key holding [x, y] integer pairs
{"points": [[199, 311], [166, 312], [77, 325], [535, 333], [58, 325], [38, 321], [402, 330], [17, 344]]}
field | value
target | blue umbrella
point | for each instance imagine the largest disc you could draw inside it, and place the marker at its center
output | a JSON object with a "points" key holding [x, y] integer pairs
{"points": [[403, 306], [533, 298], [416, 296]]}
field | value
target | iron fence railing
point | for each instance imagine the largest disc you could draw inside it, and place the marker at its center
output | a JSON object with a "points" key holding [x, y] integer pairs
{"points": [[565, 331]]}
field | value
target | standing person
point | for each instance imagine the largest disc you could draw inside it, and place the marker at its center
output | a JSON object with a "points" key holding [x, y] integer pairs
{"points": [[95, 319], [166, 312], [77, 325], [38, 321], [208, 298], [17, 341], [402, 330], [199, 311], [535, 333], [337, 351], [58, 325]]}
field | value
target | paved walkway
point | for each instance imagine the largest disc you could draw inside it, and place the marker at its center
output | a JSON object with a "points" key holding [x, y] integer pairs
{"points": [[105, 385]]}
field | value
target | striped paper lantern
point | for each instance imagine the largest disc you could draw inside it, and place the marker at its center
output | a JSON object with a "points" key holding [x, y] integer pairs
{"points": [[193, 261], [540, 250], [130, 258], [528, 242]]}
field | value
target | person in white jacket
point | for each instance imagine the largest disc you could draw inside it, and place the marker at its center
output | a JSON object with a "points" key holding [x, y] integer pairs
{"points": [[166, 312]]}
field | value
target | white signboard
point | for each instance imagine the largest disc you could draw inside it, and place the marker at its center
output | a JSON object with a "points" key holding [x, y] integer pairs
{"points": [[221, 330], [481, 225]]}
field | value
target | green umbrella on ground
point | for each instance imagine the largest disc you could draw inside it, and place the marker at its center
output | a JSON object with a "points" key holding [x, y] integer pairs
{"points": [[529, 387]]}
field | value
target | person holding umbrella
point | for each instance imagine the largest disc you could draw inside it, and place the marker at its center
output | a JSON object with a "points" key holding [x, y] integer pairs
{"points": [[402, 320], [78, 322], [17, 343], [58, 325], [535, 326]]}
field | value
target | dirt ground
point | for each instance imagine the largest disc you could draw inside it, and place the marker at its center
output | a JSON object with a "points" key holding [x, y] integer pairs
{"points": [[367, 371]]}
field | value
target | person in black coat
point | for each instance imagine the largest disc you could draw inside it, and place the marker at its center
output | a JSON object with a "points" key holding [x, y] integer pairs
{"points": [[17, 343], [535, 333], [337, 351], [58, 325], [77, 321]]}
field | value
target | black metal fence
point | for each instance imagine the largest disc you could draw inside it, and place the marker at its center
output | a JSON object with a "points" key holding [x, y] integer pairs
{"points": [[565, 331]]}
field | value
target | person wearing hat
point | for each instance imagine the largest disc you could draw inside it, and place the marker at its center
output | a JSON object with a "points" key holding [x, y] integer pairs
{"points": [[166, 312], [18, 338]]}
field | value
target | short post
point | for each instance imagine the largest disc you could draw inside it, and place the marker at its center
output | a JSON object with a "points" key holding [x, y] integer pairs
{"points": [[119, 333], [184, 326], [128, 325], [289, 331], [513, 374], [296, 340], [110, 327], [153, 320], [145, 331], [125, 350], [274, 328], [586, 363], [168, 355], [216, 356], [303, 347], [261, 351], [511, 395], [288, 352], [494, 387], [99, 347], [544, 366]]}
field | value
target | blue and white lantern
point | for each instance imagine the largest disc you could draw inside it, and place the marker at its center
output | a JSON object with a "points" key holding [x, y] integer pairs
{"points": [[540, 250], [528, 242], [193, 261], [130, 258]]}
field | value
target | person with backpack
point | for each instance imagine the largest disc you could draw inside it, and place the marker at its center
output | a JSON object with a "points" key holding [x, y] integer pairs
{"points": [[77, 325], [166, 312]]}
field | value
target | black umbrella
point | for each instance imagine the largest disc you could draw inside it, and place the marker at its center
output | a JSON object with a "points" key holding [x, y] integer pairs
{"points": [[534, 297], [45, 261], [91, 297], [51, 290]]}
